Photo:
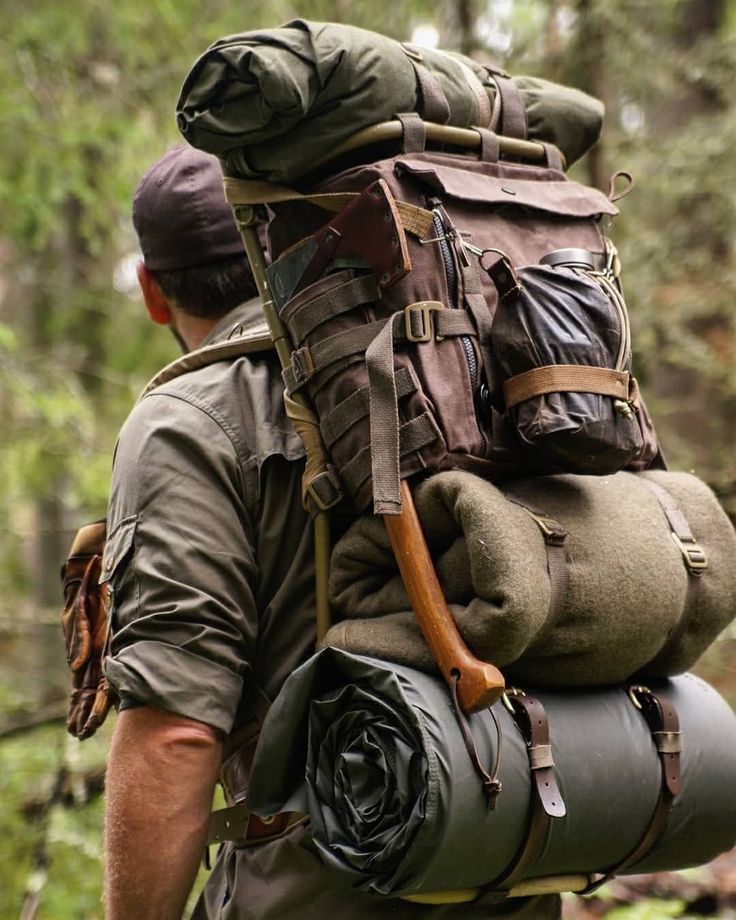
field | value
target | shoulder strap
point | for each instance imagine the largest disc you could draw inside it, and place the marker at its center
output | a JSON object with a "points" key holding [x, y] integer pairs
{"points": [[254, 340]]}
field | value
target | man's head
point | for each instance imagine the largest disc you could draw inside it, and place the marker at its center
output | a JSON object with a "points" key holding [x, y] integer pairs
{"points": [[194, 269]]}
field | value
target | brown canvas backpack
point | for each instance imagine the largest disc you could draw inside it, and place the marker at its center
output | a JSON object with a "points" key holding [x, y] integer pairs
{"points": [[457, 312]]}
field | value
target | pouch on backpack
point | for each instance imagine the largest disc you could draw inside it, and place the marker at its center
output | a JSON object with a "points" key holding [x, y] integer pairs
{"points": [[562, 364]]}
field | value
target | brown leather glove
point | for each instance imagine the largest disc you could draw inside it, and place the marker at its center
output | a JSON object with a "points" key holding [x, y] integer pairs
{"points": [[85, 622]]}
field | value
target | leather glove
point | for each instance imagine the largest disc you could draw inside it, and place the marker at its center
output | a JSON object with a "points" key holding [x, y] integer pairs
{"points": [[85, 623]]}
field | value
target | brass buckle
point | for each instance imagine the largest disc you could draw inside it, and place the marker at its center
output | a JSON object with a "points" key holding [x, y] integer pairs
{"points": [[634, 690], [423, 309], [506, 698], [693, 554], [552, 531]]}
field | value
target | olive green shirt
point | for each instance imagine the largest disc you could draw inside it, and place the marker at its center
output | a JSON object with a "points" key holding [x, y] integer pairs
{"points": [[210, 553]]}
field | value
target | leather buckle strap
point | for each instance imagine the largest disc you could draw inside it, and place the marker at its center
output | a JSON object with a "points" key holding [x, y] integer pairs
{"points": [[239, 825], [546, 801], [664, 725]]}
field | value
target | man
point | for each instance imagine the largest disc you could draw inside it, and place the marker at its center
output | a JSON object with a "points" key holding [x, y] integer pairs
{"points": [[210, 559]]}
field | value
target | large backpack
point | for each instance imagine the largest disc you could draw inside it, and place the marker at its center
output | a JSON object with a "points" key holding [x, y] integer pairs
{"points": [[458, 312]]}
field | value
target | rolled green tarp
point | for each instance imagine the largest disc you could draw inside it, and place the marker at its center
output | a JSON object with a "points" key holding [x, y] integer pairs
{"points": [[270, 103], [628, 603], [375, 755]]}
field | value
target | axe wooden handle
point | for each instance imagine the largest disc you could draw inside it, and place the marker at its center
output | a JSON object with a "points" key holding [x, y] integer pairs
{"points": [[480, 684]]}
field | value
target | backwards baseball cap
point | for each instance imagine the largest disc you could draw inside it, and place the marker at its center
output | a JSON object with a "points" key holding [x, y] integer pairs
{"points": [[180, 212]]}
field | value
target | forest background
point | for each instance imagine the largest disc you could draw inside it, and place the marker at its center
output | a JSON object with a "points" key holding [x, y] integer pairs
{"points": [[87, 92]]}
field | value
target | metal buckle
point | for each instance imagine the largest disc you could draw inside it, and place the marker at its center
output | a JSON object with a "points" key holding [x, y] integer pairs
{"points": [[325, 499], [506, 698], [638, 688], [423, 309], [553, 532], [693, 554], [302, 364]]}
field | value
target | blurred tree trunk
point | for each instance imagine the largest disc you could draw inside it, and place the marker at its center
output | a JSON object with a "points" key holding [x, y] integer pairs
{"points": [[590, 60]]}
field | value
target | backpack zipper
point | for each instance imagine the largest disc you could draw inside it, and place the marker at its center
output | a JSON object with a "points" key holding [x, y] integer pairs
{"points": [[445, 232]]}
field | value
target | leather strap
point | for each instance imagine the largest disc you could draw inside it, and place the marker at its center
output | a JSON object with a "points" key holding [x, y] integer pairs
{"points": [[566, 378], [491, 782], [239, 825], [694, 558], [546, 800], [664, 725]]}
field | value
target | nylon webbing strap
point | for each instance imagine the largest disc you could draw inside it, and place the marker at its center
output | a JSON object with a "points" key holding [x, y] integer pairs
{"points": [[341, 299], [307, 362], [664, 725], [413, 132], [694, 558], [356, 406], [482, 100], [554, 157], [476, 303], [565, 378], [250, 342], [413, 435], [489, 146], [432, 102], [546, 800], [239, 192], [513, 114], [554, 536]]}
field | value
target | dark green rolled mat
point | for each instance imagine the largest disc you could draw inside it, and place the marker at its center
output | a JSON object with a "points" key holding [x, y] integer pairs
{"points": [[374, 753], [270, 103]]}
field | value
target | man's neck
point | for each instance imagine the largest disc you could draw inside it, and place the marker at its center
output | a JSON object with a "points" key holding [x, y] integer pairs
{"points": [[190, 331]]}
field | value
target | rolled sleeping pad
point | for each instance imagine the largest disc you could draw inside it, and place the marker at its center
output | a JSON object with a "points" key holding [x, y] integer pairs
{"points": [[375, 754]]}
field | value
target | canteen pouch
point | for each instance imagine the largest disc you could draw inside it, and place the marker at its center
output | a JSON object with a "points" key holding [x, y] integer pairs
{"points": [[562, 376], [85, 624]]}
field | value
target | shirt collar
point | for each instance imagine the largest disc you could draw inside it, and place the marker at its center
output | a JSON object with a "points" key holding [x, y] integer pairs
{"points": [[248, 317]]}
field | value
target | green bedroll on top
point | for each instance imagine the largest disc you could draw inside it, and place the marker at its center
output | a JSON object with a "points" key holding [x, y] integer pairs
{"points": [[271, 103]]}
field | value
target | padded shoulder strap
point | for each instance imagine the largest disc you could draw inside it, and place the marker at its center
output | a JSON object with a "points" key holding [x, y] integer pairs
{"points": [[256, 339]]}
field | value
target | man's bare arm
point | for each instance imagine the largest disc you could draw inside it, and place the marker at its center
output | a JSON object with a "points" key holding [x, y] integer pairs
{"points": [[160, 780]]}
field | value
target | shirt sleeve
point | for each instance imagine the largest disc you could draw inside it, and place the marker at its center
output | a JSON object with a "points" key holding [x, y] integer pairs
{"points": [[180, 562]]}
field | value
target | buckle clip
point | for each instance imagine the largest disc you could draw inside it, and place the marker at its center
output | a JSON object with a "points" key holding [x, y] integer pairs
{"points": [[694, 555], [554, 533], [507, 696], [418, 324], [302, 365], [325, 489]]}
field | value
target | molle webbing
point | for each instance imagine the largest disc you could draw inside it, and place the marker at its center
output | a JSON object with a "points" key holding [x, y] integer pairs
{"points": [[412, 436], [356, 406], [566, 378], [346, 295]]}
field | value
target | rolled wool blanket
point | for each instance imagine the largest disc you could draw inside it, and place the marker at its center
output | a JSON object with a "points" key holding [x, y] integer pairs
{"points": [[627, 585]]}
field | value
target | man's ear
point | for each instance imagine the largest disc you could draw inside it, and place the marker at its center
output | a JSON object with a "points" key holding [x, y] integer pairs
{"points": [[154, 298]]}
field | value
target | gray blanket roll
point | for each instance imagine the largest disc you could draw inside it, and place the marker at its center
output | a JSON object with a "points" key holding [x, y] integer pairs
{"points": [[270, 103], [627, 585]]}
